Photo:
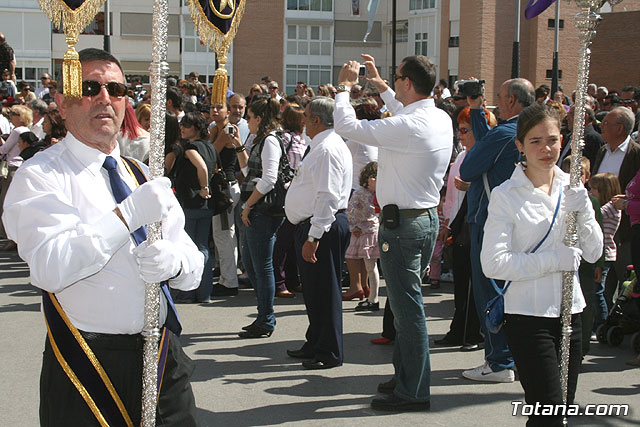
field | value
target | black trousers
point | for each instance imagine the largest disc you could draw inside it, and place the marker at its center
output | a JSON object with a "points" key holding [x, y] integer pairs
{"points": [[322, 290], [465, 308], [121, 357], [535, 346], [285, 265]]}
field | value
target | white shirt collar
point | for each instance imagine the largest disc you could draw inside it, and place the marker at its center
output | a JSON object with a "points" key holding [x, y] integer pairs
{"points": [[92, 159], [320, 137], [520, 179], [622, 147], [423, 103]]}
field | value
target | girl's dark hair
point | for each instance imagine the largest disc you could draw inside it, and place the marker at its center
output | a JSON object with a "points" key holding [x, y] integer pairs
{"points": [[268, 110], [532, 116], [58, 128], [29, 137], [293, 119], [171, 132], [199, 123], [367, 111], [370, 170]]}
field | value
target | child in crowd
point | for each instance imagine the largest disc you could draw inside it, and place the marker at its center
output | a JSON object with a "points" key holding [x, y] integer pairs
{"points": [[604, 186], [363, 253], [590, 274], [435, 265]]}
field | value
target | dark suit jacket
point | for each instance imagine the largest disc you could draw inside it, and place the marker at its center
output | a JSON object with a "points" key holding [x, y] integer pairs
{"points": [[628, 169], [592, 144]]}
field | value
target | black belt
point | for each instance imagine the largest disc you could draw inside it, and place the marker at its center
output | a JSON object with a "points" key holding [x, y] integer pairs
{"points": [[414, 213], [339, 211]]}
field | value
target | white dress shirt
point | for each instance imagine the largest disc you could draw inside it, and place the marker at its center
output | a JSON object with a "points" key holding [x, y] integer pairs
{"points": [[11, 148], [519, 217], [37, 130], [41, 92], [59, 209], [5, 125], [322, 184], [361, 155], [612, 160], [454, 197], [414, 148]]}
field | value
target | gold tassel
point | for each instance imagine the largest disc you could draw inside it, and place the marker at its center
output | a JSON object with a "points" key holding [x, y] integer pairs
{"points": [[72, 70], [220, 86]]}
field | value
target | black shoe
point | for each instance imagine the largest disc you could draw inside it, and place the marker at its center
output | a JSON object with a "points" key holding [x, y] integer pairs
{"points": [[368, 306], [256, 331], [245, 328], [222, 291], [387, 387], [435, 284], [394, 403], [319, 364], [299, 354], [448, 341]]}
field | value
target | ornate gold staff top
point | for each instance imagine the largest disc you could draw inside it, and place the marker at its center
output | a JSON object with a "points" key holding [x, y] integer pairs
{"points": [[75, 15], [217, 23]]}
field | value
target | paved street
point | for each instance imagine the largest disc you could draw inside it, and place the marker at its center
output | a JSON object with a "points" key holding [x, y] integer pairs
{"points": [[253, 383]]}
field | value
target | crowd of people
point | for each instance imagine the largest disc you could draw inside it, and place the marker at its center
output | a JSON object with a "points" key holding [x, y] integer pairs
{"points": [[352, 181]]}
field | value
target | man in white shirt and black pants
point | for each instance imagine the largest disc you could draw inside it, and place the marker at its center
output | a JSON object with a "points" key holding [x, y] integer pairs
{"points": [[414, 148], [316, 203], [77, 212]]}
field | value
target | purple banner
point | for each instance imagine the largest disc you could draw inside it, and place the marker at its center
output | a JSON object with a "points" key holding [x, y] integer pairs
{"points": [[536, 7], [220, 18]]}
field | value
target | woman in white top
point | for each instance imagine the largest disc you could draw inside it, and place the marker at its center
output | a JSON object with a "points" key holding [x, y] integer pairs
{"points": [[520, 213], [260, 169]]}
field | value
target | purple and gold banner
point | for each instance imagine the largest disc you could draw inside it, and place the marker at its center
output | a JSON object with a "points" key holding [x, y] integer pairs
{"points": [[217, 23]]}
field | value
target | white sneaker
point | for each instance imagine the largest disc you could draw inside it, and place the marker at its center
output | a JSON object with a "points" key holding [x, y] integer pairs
{"points": [[446, 277], [484, 373]]}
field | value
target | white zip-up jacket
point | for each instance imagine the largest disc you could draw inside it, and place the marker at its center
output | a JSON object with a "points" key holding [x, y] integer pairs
{"points": [[519, 217]]}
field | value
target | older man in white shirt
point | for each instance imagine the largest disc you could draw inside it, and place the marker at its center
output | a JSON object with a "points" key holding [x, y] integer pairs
{"points": [[316, 204], [77, 212], [414, 148]]}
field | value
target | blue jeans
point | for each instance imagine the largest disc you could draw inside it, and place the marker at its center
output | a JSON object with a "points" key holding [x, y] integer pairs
{"points": [[197, 224], [405, 253], [257, 255], [600, 301], [496, 349]]}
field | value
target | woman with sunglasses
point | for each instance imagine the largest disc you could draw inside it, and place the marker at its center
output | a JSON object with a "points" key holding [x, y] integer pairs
{"points": [[192, 191], [53, 127], [21, 118], [260, 168], [460, 333]]}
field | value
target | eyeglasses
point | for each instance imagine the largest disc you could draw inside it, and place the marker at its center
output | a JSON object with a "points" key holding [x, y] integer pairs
{"points": [[186, 125], [399, 77], [464, 131], [273, 88], [114, 89]]}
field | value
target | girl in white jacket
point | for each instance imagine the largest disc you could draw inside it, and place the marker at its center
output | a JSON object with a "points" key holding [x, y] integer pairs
{"points": [[520, 213]]}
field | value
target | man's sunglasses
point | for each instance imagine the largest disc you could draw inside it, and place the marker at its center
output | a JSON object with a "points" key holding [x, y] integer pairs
{"points": [[114, 89]]}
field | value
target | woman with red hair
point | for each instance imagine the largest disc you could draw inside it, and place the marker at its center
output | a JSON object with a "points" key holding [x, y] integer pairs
{"points": [[461, 332], [133, 140]]}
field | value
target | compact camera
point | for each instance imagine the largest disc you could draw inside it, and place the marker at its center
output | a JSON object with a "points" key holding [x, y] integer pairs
{"points": [[229, 129], [473, 88]]}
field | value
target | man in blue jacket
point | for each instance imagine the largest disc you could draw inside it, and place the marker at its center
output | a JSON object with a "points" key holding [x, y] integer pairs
{"points": [[488, 164]]}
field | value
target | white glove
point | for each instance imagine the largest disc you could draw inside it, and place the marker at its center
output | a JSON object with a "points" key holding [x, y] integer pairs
{"points": [[576, 199], [148, 203], [569, 258], [173, 223], [158, 262]]}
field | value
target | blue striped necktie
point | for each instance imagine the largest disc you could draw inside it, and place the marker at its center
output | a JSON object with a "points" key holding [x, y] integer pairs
{"points": [[120, 192]]}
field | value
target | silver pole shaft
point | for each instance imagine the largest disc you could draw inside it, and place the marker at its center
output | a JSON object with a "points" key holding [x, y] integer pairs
{"points": [[586, 22], [159, 69]]}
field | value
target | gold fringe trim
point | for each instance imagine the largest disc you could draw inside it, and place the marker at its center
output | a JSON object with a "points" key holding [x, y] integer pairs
{"points": [[210, 35], [220, 86], [73, 23]]}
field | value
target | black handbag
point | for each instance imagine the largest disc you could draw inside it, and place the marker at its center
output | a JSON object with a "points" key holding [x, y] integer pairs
{"points": [[272, 203], [220, 190]]}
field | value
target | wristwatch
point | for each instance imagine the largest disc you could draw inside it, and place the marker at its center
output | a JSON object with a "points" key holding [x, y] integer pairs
{"points": [[312, 239], [239, 149], [343, 88]]}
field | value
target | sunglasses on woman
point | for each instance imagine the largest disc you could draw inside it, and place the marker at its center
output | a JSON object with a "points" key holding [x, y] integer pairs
{"points": [[114, 89]]}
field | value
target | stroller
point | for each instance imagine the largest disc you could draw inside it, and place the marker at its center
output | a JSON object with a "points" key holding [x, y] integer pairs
{"points": [[624, 316]]}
